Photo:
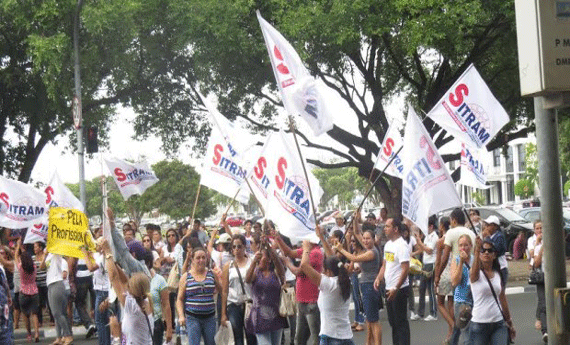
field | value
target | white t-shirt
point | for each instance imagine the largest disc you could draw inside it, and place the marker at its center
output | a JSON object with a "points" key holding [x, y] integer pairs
{"points": [[235, 292], [335, 322], [336, 227], [221, 258], [54, 266], [536, 251], [395, 253], [530, 246], [134, 326], [100, 276], [485, 308], [65, 268], [452, 239], [430, 242]]}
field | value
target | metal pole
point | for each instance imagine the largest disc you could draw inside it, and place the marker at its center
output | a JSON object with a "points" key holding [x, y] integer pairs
{"points": [[551, 209], [80, 154]]}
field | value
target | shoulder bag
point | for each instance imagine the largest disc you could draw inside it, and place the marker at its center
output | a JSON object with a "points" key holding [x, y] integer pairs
{"points": [[173, 277], [536, 276], [287, 300], [248, 302]]}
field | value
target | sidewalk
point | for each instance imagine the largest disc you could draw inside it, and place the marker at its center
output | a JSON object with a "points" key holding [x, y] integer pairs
{"points": [[48, 332]]}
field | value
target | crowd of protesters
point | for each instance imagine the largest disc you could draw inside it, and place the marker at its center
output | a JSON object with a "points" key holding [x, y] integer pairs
{"points": [[196, 283]]}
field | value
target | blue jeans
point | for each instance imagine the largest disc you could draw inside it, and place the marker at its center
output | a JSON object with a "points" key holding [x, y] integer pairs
{"points": [[427, 284], [493, 333], [357, 299], [370, 301], [308, 324], [269, 338], [198, 328], [102, 319], [325, 340], [235, 314]]}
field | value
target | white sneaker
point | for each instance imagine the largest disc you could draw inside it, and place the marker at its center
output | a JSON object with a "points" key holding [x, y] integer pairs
{"points": [[430, 318], [414, 316]]}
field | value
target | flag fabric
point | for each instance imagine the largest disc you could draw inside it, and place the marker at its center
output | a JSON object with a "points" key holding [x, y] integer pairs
{"points": [[469, 111], [56, 195], [21, 205], [288, 199], [427, 187], [131, 178], [300, 92], [472, 170], [257, 176], [222, 167], [391, 144]]}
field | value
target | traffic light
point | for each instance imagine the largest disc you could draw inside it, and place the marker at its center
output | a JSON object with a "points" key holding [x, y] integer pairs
{"points": [[92, 145]]}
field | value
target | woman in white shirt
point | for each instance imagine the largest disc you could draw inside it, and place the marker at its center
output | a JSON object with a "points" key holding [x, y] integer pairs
{"points": [[334, 294], [133, 294], [235, 291], [490, 323]]}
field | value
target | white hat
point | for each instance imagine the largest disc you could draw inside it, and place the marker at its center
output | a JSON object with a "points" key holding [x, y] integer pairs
{"points": [[224, 238], [493, 220]]}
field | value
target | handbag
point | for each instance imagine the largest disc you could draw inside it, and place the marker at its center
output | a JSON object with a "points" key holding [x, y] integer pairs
{"points": [[509, 340], [536, 276], [465, 312], [287, 300], [248, 302], [173, 277]]}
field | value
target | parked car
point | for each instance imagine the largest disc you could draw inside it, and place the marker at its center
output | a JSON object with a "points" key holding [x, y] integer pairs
{"points": [[511, 223], [533, 213]]}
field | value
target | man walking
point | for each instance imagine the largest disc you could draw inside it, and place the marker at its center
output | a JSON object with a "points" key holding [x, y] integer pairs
{"points": [[394, 272], [426, 283]]}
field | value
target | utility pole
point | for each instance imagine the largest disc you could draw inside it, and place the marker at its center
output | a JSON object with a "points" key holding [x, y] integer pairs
{"points": [[77, 115]]}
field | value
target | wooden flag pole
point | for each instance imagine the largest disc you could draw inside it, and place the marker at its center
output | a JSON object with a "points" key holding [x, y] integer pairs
{"points": [[232, 202], [292, 126], [255, 198], [196, 202]]}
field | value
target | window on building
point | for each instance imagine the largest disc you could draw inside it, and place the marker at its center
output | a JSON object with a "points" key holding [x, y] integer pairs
{"points": [[452, 166], [510, 167], [521, 154], [496, 157], [510, 188]]}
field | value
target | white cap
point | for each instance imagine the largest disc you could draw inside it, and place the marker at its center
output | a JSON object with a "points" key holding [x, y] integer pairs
{"points": [[224, 238], [493, 220]]}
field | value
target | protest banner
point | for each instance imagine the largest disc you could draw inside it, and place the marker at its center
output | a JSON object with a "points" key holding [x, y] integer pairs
{"points": [[222, 168], [427, 187], [469, 111], [301, 93], [68, 232], [288, 203], [390, 145], [472, 170], [21, 205], [131, 178], [57, 194], [257, 176]]}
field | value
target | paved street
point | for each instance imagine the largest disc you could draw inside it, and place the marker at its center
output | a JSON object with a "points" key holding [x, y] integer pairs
{"points": [[428, 333]]}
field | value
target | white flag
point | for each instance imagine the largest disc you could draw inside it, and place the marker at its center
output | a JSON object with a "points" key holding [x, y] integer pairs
{"points": [[289, 203], [300, 92], [21, 205], [427, 187], [257, 175], [469, 111], [222, 168], [472, 171], [392, 143], [131, 178], [56, 195]]}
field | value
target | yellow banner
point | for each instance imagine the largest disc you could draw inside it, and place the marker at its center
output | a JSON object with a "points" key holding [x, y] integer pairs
{"points": [[68, 232]]}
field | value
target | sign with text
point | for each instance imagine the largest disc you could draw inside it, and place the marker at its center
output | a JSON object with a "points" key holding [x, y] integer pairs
{"points": [[68, 232]]}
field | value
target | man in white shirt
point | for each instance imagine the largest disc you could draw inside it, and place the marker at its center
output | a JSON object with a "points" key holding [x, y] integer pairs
{"points": [[428, 248], [394, 271], [339, 219]]}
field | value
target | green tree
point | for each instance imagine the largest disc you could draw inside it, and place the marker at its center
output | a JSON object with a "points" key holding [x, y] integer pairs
{"points": [[131, 54], [524, 188], [368, 52], [531, 165], [342, 182], [94, 196]]}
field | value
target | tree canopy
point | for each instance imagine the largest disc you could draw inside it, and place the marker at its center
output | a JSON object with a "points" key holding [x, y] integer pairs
{"points": [[155, 55]]}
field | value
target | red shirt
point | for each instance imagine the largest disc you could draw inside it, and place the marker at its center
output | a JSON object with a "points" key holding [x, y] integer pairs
{"points": [[306, 291]]}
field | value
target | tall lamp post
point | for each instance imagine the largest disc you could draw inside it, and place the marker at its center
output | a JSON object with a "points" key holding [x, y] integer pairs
{"points": [[77, 116]]}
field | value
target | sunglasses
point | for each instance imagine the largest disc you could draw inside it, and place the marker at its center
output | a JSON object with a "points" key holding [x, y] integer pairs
{"points": [[172, 235], [487, 250], [238, 246], [146, 240]]}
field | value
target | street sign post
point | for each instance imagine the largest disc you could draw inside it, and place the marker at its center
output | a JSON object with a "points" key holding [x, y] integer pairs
{"points": [[76, 112]]}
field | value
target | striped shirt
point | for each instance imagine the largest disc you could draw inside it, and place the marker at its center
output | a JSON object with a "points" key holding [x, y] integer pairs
{"points": [[199, 296], [41, 275]]}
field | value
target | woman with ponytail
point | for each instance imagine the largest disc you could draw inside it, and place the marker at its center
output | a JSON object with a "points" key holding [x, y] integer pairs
{"points": [[134, 295], [334, 297]]}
